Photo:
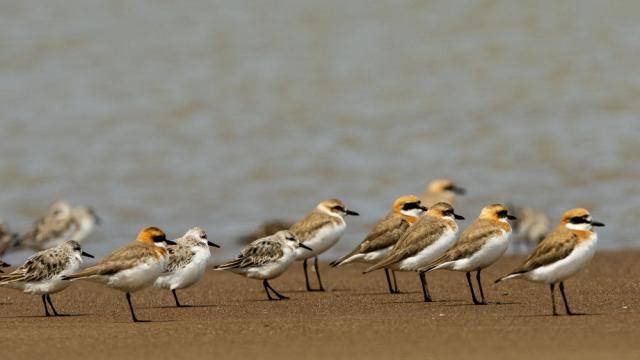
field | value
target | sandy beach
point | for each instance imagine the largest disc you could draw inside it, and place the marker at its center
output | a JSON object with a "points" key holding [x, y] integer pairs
{"points": [[355, 319]]}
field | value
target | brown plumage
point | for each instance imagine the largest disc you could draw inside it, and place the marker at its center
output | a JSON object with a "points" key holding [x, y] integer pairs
{"points": [[258, 253], [307, 228]]}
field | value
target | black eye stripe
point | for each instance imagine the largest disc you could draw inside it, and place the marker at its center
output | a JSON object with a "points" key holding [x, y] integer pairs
{"points": [[579, 220], [410, 206], [502, 213]]}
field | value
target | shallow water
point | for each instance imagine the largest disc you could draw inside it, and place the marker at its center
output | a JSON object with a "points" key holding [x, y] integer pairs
{"points": [[223, 114]]}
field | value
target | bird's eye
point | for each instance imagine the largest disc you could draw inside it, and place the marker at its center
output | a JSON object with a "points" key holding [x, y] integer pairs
{"points": [[502, 213], [338, 208], [578, 220]]}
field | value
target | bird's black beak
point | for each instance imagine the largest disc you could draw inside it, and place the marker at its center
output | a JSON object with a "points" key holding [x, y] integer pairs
{"points": [[349, 212], [458, 216], [212, 244], [86, 254], [423, 208], [169, 242], [511, 217], [459, 190], [596, 223], [305, 247]]}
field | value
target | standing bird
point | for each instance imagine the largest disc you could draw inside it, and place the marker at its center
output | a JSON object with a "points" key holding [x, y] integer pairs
{"points": [[52, 229], [561, 254], [266, 259], [186, 262], [43, 273], [85, 219], [320, 230], [479, 246], [441, 190], [132, 267], [405, 211], [422, 243]]}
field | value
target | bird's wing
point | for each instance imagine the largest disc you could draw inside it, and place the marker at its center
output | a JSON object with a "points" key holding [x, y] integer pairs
{"points": [[178, 256], [41, 266], [470, 241], [124, 258], [556, 246], [306, 228]]}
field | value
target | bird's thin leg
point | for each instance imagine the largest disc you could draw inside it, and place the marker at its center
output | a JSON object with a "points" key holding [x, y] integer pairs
{"points": [[480, 286], [266, 288], [473, 295], [553, 298], [133, 314], [425, 287], [564, 297], [386, 273], [175, 296], [315, 266], [44, 302], [395, 283], [306, 275], [280, 296], [55, 313]]}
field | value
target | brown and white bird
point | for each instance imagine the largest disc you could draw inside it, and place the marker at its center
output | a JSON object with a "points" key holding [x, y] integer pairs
{"points": [[479, 246], [405, 211], [43, 273], [422, 243], [564, 252], [320, 230], [55, 227], [85, 219], [441, 190], [132, 267]]}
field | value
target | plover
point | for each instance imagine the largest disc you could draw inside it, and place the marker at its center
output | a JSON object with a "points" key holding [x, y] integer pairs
{"points": [[52, 229], [132, 267], [423, 242], [405, 211], [186, 262], [320, 230], [43, 273], [561, 254], [479, 246], [265, 259], [441, 190]]}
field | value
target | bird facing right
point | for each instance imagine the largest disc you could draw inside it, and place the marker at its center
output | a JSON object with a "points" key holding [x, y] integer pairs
{"points": [[479, 246], [564, 252], [265, 259]]}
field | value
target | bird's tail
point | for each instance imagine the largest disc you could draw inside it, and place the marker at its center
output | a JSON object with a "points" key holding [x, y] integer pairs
{"points": [[343, 260], [232, 264], [508, 276], [88, 272]]}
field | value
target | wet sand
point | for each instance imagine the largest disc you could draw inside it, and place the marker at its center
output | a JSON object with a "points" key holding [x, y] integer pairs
{"points": [[355, 319]]}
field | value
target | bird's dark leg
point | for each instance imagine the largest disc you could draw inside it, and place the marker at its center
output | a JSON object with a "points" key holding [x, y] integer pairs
{"points": [[315, 266], [280, 296], [133, 314], [473, 294], [395, 283], [553, 298], [306, 274], [55, 313], [564, 297], [425, 287], [44, 302], [480, 286], [386, 273], [266, 287], [175, 296]]}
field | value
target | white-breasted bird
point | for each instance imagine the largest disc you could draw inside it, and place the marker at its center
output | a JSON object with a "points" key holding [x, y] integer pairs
{"points": [[479, 246], [564, 252], [320, 230], [186, 262]]}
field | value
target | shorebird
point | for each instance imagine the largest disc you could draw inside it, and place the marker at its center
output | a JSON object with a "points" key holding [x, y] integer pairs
{"points": [[43, 273], [186, 262], [405, 211], [422, 243], [479, 246], [441, 190], [266, 259], [320, 230], [85, 219], [132, 267], [52, 229], [564, 252], [8, 238]]}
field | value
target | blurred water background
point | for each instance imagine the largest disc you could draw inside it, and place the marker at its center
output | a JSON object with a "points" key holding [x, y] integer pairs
{"points": [[226, 113]]}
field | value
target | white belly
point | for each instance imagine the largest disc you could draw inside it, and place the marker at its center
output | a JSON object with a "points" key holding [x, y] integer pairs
{"points": [[428, 254], [565, 268], [187, 275], [321, 242], [135, 278], [271, 270], [492, 250]]}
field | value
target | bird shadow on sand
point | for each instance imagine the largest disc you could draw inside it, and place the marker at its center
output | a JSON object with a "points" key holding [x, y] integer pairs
{"points": [[561, 316], [44, 317], [145, 321], [420, 301], [184, 306], [490, 303]]}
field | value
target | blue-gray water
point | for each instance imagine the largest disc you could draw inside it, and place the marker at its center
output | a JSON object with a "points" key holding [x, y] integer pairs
{"points": [[222, 114]]}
